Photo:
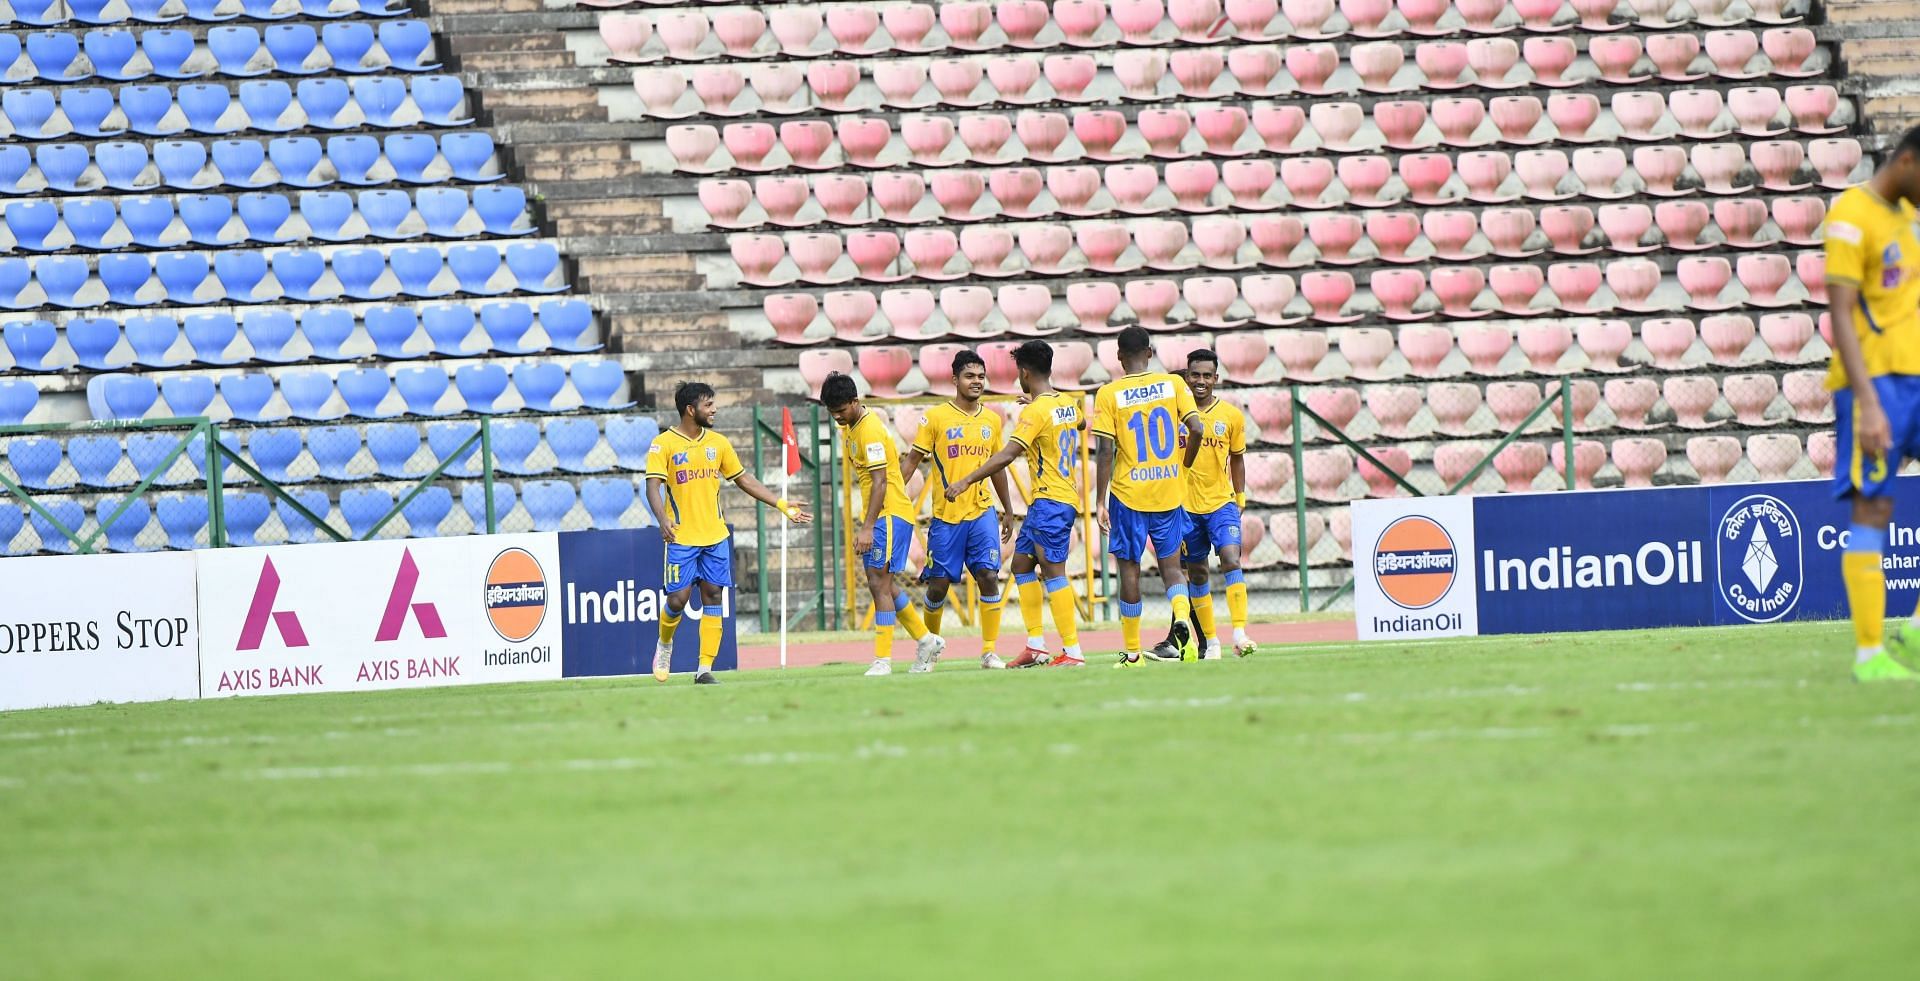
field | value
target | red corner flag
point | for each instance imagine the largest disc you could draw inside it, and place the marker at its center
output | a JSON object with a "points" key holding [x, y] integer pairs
{"points": [[792, 441]]}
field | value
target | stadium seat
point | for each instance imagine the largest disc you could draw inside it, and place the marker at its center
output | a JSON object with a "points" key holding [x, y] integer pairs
{"points": [[514, 441], [380, 99], [548, 502], [151, 337], [607, 501], [473, 497], [180, 163], [86, 109], [326, 330], [148, 220], [94, 459], [393, 445], [439, 99], [384, 212], [52, 54], [499, 209], [506, 325], [272, 451], [148, 451], [322, 99], [568, 324], [245, 512], [299, 273], [126, 274], [631, 437], [18, 398], [363, 507], [307, 394], [205, 107], [390, 327], [538, 382], [299, 528], [239, 163], [360, 272], [30, 222], [29, 110], [571, 440], [469, 154], [123, 534], [445, 439], [182, 517], [473, 268], [34, 459], [239, 274], [89, 220], [408, 45], [11, 519], [410, 154], [598, 384], [264, 10], [268, 331], [448, 326], [421, 388], [147, 108], [347, 44], [233, 50], [110, 52], [72, 520], [481, 385], [364, 389], [295, 157], [426, 511], [533, 264], [30, 342], [326, 214], [187, 396], [333, 449], [443, 208], [126, 396], [417, 268], [14, 273], [168, 51], [197, 455], [264, 215]]}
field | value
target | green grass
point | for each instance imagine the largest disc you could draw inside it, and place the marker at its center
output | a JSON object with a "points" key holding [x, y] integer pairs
{"points": [[1681, 804]]}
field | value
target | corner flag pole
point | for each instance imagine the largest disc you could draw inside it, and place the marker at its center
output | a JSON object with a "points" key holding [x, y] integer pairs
{"points": [[792, 463]]}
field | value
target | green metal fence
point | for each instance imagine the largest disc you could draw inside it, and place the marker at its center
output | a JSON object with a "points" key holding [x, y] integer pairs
{"points": [[819, 601]]}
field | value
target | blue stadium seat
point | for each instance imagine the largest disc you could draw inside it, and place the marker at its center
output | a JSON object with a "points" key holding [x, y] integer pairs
{"points": [[426, 511], [34, 459], [187, 395], [245, 512], [206, 217], [326, 214], [538, 382], [148, 218], [230, 442], [247, 396], [291, 45], [571, 440], [53, 54], [533, 264], [169, 51], [384, 212], [62, 277], [63, 164], [147, 108], [322, 99], [322, 9], [30, 222], [363, 507], [14, 273], [272, 451], [72, 518], [445, 440], [268, 332], [14, 162], [45, 13], [393, 445], [95, 458], [326, 330], [506, 325], [148, 11], [265, 102], [514, 440], [123, 535], [11, 518], [333, 449], [347, 44], [353, 157], [364, 389], [499, 209], [148, 451], [126, 274], [181, 273], [180, 163], [607, 501], [469, 154], [205, 107], [204, 11], [17, 400], [548, 502], [380, 98], [110, 52], [448, 326], [422, 387], [294, 158], [474, 267], [263, 10], [87, 109], [233, 50], [265, 215], [30, 342], [127, 396], [151, 337], [122, 165], [9, 53], [439, 99], [211, 335], [443, 208], [299, 272], [481, 385], [239, 163], [93, 340], [390, 327], [417, 268], [410, 154], [408, 44], [89, 221], [307, 394], [360, 272], [182, 517], [240, 275], [473, 497], [380, 8], [29, 110], [299, 529]]}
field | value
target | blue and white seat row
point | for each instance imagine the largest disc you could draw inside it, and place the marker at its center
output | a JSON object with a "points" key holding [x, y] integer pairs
{"points": [[106, 223], [334, 454], [211, 109], [233, 51], [293, 161], [49, 13], [366, 393], [304, 275], [387, 331]]}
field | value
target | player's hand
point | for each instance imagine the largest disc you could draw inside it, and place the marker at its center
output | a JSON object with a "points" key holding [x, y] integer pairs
{"points": [[668, 530], [1871, 429], [863, 539], [955, 490], [1006, 527], [1023, 399], [1105, 524], [797, 513]]}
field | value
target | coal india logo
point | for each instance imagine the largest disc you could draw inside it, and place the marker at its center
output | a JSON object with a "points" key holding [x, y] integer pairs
{"points": [[1761, 569], [1415, 562], [516, 595]]}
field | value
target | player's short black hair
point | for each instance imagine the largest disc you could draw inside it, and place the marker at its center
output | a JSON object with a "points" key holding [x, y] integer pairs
{"points": [[838, 390], [689, 395], [1135, 340], [1909, 143], [965, 358], [1035, 356], [1203, 355]]}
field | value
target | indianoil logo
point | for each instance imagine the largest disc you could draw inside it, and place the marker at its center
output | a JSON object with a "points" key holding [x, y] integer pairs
{"points": [[516, 595], [1414, 562]]}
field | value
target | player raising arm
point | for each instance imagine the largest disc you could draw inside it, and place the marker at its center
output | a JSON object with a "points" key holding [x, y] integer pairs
{"points": [[685, 466], [1216, 493]]}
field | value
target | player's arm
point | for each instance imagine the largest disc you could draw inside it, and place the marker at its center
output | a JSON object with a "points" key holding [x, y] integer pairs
{"points": [[992, 468], [1102, 473], [876, 501], [909, 462], [1189, 412], [1237, 472], [750, 485], [1002, 491], [656, 502], [1846, 252]]}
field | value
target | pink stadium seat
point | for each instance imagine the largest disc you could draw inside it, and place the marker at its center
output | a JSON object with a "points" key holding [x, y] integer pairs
{"points": [[1585, 398], [1335, 236], [1003, 376], [1788, 49], [1270, 476], [1366, 349], [1730, 52], [1454, 405], [1507, 231], [1491, 58], [1196, 70], [1070, 362], [1393, 408], [908, 25], [1151, 300], [1820, 452], [840, 196], [1625, 225], [1778, 164], [805, 140], [1381, 481], [1242, 355], [1398, 290], [1713, 457], [1440, 61], [1762, 275], [1219, 241], [1545, 343], [1727, 337], [1630, 399], [1755, 109], [1697, 111], [986, 137], [1377, 63], [1425, 174], [1425, 348], [1045, 246], [850, 311], [1638, 113], [1279, 126], [1327, 292], [1301, 352], [1811, 268], [931, 251], [1042, 133], [1277, 237], [1485, 173], [1210, 297], [791, 314], [1364, 177], [739, 30], [1740, 219], [1632, 282], [1519, 465], [1616, 57], [1682, 222], [898, 194], [1338, 406], [1549, 58], [1638, 458], [1588, 457], [1516, 286], [1254, 68], [936, 362], [1272, 414], [683, 32], [1718, 164], [1449, 232], [625, 35], [1485, 346], [796, 28], [1104, 243], [1786, 335], [778, 86], [756, 256], [1567, 228], [1311, 65], [1326, 470], [1336, 123], [1574, 114], [1705, 278], [907, 311], [1269, 296], [1478, 15], [1835, 161], [816, 255], [1773, 454], [725, 201], [1751, 396], [1307, 179], [1811, 106], [1024, 304], [958, 193], [1458, 121], [1021, 20], [693, 146], [1457, 287], [782, 198], [1668, 340], [1454, 461], [1807, 392], [660, 90], [1603, 341], [1093, 305], [1691, 397], [966, 309], [1541, 172], [1511, 402], [815, 366], [883, 367]]}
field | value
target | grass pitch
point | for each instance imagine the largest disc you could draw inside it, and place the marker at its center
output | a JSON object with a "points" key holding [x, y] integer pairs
{"points": [[1678, 804]]}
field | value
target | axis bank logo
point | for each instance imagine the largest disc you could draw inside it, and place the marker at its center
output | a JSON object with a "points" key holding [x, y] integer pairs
{"points": [[261, 611]]}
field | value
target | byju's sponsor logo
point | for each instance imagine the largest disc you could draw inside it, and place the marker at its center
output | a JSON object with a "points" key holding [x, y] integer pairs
{"points": [[1761, 567], [1415, 562]]}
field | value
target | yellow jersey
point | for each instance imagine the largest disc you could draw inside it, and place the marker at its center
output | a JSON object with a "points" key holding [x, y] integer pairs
{"points": [[1142, 415], [1049, 431], [1209, 481], [693, 470], [1871, 244], [958, 442], [875, 457]]}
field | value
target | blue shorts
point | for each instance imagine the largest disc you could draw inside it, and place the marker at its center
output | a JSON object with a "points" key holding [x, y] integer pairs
{"points": [[1048, 531], [892, 540], [1129, 531], [1853, 474], [687, 564], [1209, 532], [953, 548]]}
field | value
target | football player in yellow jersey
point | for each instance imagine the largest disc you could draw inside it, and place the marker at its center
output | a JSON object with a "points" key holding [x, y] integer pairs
{"points": [[1048, 435], [685, 466], [1873, 297], [966, 532], [1140, 484], [884, 533], [1216, 493]]}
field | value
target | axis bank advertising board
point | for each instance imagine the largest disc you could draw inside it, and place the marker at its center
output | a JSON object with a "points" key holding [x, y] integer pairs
{"points": [[383, 614], [1615, 559]]}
